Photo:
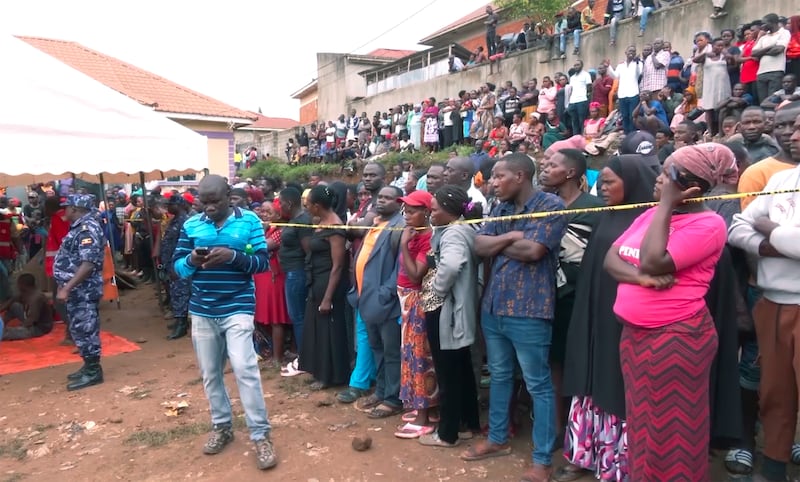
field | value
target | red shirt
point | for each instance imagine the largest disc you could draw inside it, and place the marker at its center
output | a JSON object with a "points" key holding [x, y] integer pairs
{"points": [[418, 247], [59, 227], [749, 67]]}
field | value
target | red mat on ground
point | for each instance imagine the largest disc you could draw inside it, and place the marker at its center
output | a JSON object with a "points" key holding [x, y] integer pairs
{"points": [[45, 351]]}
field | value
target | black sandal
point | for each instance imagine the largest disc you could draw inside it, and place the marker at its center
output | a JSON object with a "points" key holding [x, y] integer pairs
{"points": [[568, 473], [384, 410]]}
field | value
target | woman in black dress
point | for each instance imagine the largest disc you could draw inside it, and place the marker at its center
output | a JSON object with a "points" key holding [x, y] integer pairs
{"points": [[325, 349]]}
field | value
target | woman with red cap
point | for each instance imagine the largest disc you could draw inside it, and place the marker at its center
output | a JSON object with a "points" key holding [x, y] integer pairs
{"points": [[271, 312], [418, 387]]}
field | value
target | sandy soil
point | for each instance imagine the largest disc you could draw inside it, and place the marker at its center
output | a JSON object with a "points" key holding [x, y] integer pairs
{"points": [[120, 430]]}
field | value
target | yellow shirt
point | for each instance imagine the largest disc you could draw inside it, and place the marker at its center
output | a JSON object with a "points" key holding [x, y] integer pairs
{"points": [[586, 16], [366, 249]]}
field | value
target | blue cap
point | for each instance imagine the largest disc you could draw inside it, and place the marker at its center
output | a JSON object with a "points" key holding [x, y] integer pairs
{"points": [[85, 201]]}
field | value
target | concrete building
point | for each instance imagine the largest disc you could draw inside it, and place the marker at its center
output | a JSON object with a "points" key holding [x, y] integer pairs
{"points": [[265, 134], [200, 113], [338, 83]]}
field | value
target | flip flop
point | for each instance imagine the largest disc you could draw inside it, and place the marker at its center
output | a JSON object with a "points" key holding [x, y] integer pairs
{"points": [[410, 416], [292, 369], [487, 451], [384, 411], [412, 431]]}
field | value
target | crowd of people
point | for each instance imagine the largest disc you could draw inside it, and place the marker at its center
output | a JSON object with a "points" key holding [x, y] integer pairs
{"points": [[637, 339]]}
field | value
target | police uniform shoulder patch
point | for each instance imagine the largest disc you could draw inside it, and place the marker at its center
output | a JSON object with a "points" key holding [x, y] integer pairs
{"points": [[86, 241], [84, 227]]}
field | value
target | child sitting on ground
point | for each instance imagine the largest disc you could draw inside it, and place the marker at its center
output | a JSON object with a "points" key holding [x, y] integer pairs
{"points": [[28, 314]]}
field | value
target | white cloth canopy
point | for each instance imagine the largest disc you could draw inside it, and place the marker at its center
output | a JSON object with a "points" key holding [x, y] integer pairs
{"points": [[55, 120]]}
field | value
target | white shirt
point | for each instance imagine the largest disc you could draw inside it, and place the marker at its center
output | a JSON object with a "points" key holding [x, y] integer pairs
{"points": [[579, 83], [477, 197], [773, 63], [330, 134], [628, 74]]}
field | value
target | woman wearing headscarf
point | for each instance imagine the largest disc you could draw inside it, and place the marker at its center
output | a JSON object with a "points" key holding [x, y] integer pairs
{"points": [[448, 298], [664, 263], [595, 437]]}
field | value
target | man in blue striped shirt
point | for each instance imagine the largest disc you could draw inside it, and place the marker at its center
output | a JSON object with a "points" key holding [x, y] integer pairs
{"points": [[221, 248]]}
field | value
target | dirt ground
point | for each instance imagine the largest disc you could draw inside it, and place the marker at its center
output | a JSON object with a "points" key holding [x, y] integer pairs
{"points": [[120, 430]]}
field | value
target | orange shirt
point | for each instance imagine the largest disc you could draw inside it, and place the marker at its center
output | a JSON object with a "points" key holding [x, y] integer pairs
{"points": [[755, 177], [366, 249]]}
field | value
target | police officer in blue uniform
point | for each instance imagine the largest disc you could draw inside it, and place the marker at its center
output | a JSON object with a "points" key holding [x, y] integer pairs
{"points": [[180, 289], [78, 271]]}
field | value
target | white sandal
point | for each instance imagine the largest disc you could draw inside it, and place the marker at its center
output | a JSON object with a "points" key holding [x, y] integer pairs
{"points": [[292, 369]]}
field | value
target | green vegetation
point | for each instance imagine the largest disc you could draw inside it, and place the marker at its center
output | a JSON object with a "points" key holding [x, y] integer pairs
{"points": [[535, 10], [157, 438], [302, 172]]}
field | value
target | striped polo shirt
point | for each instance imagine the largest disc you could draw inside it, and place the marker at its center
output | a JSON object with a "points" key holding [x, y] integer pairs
{"points": [[225, 290]]}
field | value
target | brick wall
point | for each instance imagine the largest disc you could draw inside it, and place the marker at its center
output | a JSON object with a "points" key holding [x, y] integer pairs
{"points": [[309, 113]]}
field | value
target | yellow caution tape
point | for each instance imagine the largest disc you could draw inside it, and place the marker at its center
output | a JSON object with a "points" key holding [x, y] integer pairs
{"points": [[544, 214]]}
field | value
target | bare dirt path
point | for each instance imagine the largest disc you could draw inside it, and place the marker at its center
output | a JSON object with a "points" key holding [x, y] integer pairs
{"points": [[120, 430]]}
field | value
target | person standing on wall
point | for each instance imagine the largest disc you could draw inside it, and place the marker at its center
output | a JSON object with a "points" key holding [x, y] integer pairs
{"points": [[491, 30]]}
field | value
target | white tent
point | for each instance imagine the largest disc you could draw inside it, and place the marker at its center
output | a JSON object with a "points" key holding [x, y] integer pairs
{"points": [[54, 120]]}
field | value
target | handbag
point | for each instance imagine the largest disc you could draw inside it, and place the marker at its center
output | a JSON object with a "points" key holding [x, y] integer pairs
{"points": [[695, 113]]}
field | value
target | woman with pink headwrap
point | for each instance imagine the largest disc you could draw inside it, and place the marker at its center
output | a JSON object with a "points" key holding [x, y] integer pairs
{"points": [[593, 126], [664, 264]]}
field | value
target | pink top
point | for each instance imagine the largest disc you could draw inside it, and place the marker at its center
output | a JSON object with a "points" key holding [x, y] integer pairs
{"points": [[593, 127], [547, 100], [695, 244]]}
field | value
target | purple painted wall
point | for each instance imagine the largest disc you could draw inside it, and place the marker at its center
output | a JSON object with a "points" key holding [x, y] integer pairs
{"points": [[229, 137]]}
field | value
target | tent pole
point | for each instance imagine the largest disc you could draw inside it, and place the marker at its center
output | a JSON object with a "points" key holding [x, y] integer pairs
{"points": [[110, 233], [148, 221]]}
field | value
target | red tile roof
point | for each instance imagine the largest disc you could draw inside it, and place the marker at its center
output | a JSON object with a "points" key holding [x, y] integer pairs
{"points": [[466, 19], [143, 86], [276, 123], [390, 53]]}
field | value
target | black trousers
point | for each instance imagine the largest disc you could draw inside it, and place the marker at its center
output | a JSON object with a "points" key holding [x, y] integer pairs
{"points": [[458, 394]]}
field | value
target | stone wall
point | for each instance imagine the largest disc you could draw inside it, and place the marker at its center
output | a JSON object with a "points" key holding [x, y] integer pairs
{"points": [[676, 24]]}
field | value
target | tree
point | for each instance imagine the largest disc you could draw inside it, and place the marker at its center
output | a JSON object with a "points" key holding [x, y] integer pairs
{"points": [[536, 10]]}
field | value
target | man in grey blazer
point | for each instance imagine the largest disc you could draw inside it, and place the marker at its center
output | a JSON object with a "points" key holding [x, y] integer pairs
{"points": [[375, 297]]}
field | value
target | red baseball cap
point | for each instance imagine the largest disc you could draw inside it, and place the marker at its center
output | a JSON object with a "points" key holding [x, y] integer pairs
{"points": [[418, 199], [188, 197]]}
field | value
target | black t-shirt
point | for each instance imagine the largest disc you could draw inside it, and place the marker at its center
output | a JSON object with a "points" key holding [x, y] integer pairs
{"points": [[511, 106], [290, 253]]}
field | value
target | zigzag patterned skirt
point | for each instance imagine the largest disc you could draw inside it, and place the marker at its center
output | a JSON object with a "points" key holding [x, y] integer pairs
{"points": [[666, 372]]}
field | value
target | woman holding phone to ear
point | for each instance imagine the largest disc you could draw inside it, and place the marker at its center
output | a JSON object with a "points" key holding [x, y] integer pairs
{"points": [[664, 264]]}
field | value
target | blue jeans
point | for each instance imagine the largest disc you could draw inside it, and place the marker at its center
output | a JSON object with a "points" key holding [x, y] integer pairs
{"points": [[749, 369], [296, 293], [626, 106], [364, 370], [216, 339], [527, 339], [645, 14], [562, 41]]}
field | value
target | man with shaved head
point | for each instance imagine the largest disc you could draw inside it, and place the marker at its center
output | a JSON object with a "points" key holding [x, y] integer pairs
{"points": [[459, 171], [221, 248]]}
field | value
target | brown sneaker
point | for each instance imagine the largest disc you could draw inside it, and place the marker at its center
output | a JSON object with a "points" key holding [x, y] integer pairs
{"points": [[219, 438], [265, 454], [537, 473]]}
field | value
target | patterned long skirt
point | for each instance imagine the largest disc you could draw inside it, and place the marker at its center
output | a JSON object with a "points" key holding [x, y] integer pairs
{"points": [[596, 441], [666, 372], [418, 386]]}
